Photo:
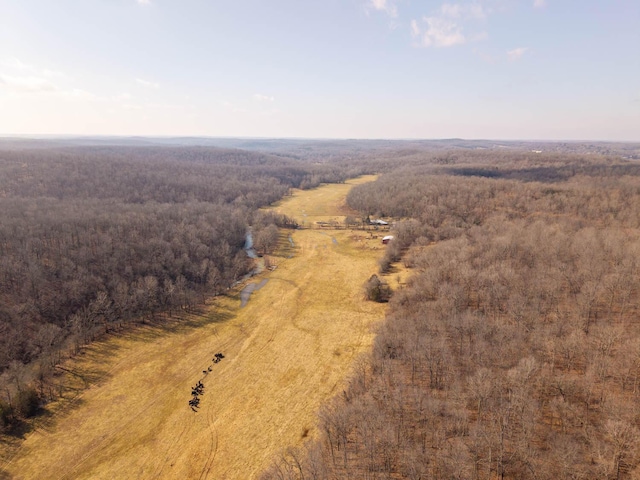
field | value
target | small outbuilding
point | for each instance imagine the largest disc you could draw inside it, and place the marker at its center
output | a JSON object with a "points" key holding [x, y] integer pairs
{"points": [[387, 239]]}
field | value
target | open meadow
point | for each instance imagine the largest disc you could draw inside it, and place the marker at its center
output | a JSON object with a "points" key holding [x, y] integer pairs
{"points": [[289, 349]]}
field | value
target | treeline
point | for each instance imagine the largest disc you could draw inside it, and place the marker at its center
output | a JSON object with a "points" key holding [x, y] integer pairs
{"points": [[439, 197], [160, 174], [93, 238], [514, 350]]}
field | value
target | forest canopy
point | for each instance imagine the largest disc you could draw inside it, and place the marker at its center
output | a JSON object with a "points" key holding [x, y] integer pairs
{"points": [[94, 237], [513, 351]]}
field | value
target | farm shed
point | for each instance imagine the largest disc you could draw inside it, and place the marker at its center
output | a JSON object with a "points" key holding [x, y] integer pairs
{"points": [[379, 222]]}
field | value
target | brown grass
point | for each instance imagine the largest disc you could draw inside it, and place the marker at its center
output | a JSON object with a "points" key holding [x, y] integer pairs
{"points": [[286, 352]]}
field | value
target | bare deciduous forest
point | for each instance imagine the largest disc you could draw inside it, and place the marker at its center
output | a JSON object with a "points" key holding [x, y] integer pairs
{"points": [[514, 350], [95, 237]]}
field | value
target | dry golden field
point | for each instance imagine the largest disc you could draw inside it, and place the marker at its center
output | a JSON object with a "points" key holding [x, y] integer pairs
{"points": [[287, 351]]}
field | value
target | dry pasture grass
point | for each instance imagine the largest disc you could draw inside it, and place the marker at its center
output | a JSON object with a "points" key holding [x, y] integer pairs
{"points": [[287, 351]]}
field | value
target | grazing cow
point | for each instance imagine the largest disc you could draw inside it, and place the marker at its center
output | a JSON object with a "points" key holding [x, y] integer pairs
{"points": [[197, 390], [217, 357]]}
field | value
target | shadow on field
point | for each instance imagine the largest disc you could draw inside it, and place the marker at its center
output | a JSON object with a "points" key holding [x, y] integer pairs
{"points": [[4, 475], [391, 270], [19, 428], [17, 431], [180, 324], [92, 366], [93, 362], [45, 420]]}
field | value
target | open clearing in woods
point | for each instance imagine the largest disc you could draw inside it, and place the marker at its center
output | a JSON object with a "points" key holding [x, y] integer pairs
{"points": [[286, 352]]}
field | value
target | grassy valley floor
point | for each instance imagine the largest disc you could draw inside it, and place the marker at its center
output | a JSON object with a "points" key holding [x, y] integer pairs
{"points": [[287, 351]]}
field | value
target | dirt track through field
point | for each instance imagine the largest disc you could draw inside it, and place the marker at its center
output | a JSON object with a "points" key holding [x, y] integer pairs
{"points": [[287, 351]]}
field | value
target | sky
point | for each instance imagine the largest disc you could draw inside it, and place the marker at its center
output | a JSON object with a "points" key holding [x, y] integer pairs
{"points": [[480, 69]]}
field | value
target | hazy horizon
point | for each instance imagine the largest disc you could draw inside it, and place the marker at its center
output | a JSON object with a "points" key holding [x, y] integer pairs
{"points": [[72, 136], [505, 70]]}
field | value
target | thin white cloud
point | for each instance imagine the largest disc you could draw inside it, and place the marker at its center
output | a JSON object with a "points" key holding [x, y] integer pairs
{"points": [[263, 98], [387, 6], [53, 73], [459, 10], [19, 67], [165, 106], [131, 106], [21, 78], [147, 83], [29, 85], [539, 3], [79, 94], [14, 64], [415, 29], [438, 32], [144, 2], [122, 97], [268, 113], [446, 27], [24, 84], [516, 53]]}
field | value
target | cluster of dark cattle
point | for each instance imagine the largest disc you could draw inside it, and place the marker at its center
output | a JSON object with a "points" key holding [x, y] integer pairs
{"points": [[217, 357], [198, 390]]}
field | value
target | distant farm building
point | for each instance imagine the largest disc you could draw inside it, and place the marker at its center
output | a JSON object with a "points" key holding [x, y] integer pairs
{"points": [[387, 239], [379, 222]]}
